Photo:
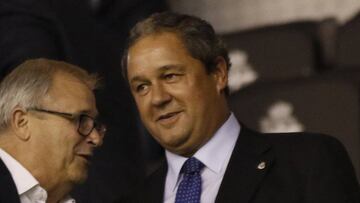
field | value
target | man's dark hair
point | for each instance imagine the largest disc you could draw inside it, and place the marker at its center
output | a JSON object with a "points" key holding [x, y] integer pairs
{"points": [[197, 35]]}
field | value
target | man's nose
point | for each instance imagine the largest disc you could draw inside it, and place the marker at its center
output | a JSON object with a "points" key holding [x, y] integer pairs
{"points": [[160, 95], [95, 138]]}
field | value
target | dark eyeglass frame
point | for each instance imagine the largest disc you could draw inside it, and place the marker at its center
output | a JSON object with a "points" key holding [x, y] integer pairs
{"points": [[79, 118]]}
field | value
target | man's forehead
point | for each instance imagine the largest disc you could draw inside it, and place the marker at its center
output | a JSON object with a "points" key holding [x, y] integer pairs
{"points": [[61, 77], [141, 75], [68, 93], [155, 54]]}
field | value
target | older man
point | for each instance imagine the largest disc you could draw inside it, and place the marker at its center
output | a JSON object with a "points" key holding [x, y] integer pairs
{"points": [[177, 69], [48, 131]]}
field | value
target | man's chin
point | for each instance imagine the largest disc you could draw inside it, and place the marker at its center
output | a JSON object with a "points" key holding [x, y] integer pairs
{"points": [[79, 174], [173, 144], [183, 151], [180, 148], [79, 178]]}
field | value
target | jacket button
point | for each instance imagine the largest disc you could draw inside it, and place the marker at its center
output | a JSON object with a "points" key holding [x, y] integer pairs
{"points": [[261, 165]]}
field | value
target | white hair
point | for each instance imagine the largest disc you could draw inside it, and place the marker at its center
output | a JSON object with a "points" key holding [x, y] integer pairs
{"points": [[30, 82]]}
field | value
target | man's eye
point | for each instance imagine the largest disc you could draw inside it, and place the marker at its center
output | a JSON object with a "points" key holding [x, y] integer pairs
{"points": [[141, 88], [172, 77]]}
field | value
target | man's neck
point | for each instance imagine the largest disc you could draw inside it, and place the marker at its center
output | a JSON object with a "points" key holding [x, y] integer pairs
{"points": [[58, 193], [56, 189]]}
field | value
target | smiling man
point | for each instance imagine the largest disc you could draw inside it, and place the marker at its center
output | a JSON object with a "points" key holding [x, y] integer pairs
{"points": [[174, 93], [177, 70], [48, 131]]}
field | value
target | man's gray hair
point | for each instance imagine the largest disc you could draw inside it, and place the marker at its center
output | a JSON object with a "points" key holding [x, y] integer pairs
{"points": [[31, 81], [197, 35]]}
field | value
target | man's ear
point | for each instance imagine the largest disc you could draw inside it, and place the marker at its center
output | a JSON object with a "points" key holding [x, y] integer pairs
{"points": [[20, 123], [220, 73]]}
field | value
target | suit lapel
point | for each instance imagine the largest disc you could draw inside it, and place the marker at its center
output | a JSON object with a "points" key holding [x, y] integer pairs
{"points": [[248, 165], [155, 184], [8, 191]]}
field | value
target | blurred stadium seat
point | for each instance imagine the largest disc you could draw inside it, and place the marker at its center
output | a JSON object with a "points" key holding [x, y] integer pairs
{"points": [[315, 105], [282, 52], [348, 44]]}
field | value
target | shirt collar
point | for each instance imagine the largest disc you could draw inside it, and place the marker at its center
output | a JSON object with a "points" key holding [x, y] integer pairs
{"points": [[23, 179], [213, 154]]}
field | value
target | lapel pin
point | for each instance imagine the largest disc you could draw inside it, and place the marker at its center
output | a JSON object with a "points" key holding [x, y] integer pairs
{"points": [[261, 165]]}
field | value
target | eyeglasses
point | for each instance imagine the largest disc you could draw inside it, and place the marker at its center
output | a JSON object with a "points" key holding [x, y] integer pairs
{"points": [[86, 124]]}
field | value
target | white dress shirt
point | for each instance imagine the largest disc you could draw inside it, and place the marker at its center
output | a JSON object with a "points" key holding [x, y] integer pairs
{"points": [[215, 155], [28, 187]]}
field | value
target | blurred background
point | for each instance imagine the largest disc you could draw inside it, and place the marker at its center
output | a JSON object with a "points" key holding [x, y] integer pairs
{"points": [[295, 67]]}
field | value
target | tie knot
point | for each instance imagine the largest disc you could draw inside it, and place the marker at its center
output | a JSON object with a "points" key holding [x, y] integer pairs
{"points": [[192, 165]]}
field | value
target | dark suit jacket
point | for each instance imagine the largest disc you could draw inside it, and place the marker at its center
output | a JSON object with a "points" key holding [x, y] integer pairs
{"points": [[29, 29], [8, 191], [300, 167], [75, 32]]}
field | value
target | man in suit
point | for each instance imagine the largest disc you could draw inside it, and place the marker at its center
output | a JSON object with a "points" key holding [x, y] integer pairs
{"points": [[48, 131], [176, 68], [90, 34]]}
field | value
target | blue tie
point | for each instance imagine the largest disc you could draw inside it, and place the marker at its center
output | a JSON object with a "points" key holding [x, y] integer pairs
{"points": [[189, 190]]}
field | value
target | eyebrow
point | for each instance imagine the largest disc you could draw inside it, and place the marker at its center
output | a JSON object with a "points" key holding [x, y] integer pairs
{"points": [[137, 78], [178, 67], [162, 69]]}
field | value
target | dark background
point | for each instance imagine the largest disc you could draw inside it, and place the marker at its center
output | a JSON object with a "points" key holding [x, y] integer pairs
{"points": [[91, 36], [312, 65]]}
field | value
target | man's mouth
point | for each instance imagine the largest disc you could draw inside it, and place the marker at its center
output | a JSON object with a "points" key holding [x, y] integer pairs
{"points": [[168, 119], [86, 157], [168, 115]]}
